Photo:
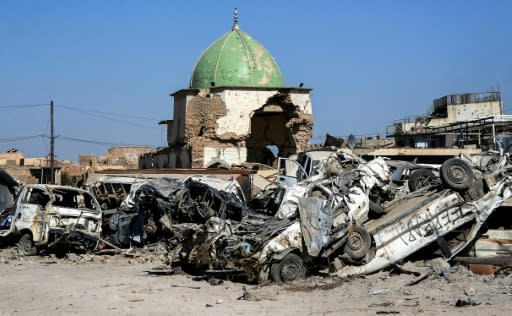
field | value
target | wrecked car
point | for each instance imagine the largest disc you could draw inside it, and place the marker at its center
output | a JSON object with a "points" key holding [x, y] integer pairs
{"points": [[451, 216], [413, 176], [257, 240], [110, 191], [328, 224], [47, 216], [304, 165], [153, 205], [8, 189]]}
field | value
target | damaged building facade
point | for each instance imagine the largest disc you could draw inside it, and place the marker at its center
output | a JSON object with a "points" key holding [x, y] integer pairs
{"points": [[464, 120], [236, 106]]}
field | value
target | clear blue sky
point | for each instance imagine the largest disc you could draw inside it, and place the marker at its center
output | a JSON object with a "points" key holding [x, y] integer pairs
{"points": [[369, 63]]}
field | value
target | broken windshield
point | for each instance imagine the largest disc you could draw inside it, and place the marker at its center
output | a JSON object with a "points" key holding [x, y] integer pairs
{"points": [[73, 199]]}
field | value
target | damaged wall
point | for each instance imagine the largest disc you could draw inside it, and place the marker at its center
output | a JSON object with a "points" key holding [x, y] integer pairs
{"points": [[236, 124], [176, 135], [467, 112], [126, 155]]}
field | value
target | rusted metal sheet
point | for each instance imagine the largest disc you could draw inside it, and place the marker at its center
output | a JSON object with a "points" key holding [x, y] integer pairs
{"points": [[482, 269]]}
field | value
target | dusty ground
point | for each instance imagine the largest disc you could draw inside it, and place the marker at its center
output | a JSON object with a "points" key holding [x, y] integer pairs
{"points": [[116, 285]]}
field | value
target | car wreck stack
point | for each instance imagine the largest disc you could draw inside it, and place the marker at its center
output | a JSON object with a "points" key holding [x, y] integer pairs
{"points": [[347, 217]]}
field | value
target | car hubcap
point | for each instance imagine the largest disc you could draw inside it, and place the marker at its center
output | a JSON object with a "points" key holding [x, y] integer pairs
{"points": [[290, 272], [457, 174], [355, 241]]}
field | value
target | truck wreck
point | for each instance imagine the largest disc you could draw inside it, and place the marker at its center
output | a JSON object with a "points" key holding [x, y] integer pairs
{"points": [[332, 222]]}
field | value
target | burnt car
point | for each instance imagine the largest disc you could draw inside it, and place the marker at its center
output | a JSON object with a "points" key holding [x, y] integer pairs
{"points": [[413, 176], [8, 188], [337, 204], [154, 205], [46, 216], [326, 223]]}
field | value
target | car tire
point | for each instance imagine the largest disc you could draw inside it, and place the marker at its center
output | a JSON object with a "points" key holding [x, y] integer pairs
{"points": [[420, 178], [290, 268], [26, 246], [456, 174], [358, 243]]}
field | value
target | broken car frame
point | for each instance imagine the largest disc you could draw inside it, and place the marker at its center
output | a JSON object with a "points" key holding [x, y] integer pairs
{"points": [[52, 215], [327, 222]]}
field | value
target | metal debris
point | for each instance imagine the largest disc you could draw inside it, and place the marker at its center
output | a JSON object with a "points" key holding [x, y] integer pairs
{"points": [[330, 212], [327, 216]]}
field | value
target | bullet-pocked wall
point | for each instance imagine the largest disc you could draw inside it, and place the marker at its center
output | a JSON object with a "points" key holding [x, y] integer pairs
{"points": [[235, 125]]}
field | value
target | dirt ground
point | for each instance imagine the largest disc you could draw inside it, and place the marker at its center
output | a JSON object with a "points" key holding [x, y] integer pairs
{"points": [[119, 285]]}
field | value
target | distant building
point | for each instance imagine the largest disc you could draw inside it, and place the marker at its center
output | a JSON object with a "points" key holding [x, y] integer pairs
{"points": [[29, 170], [458, 120], [118, 157], [464, 123], [236, 106]]}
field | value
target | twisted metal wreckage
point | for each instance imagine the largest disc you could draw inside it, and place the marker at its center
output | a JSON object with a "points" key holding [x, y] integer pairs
{"points": [[344, 216], [347, 217]]}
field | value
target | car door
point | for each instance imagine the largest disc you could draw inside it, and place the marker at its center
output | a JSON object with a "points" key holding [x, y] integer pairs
{"points": [[289, 172], [30, 209]]}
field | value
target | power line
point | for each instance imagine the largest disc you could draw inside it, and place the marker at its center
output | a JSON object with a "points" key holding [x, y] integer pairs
{"points": [[21, 106], [94, 142], [78, 109], [15, 139], [115, 115], [100, 114]]}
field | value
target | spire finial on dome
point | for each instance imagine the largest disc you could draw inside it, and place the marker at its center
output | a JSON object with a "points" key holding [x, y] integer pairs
{"points": [[235, 20]]}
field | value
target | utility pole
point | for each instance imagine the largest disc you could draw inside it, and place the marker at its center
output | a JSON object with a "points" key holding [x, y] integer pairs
{"points": [[52, 146]]}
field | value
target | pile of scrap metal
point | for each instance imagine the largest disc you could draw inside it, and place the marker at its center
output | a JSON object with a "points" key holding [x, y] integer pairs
{"points": [[40, 216], [350, 218], [132, 211], [153, 205]]}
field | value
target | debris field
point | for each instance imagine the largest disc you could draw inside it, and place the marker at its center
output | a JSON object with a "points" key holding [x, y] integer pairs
{"points": [[379, 236]]}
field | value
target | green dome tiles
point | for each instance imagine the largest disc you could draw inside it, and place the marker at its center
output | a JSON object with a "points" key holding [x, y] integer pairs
{"points": [[236, 59]]}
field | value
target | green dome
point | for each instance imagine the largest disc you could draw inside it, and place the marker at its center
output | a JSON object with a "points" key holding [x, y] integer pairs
{"points": [[236, 59]]}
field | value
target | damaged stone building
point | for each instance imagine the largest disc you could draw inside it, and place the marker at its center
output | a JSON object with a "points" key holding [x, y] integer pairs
{"points": [[236, 109]]}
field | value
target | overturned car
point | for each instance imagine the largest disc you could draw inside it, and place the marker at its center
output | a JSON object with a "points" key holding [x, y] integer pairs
{"points": [[327, 223]]}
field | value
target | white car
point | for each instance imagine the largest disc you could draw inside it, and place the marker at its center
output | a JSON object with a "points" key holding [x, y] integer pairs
{"points": [[51, 215]]}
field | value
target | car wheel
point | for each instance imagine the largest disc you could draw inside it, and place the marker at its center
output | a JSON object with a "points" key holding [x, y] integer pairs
{"points": [[456, 174], [290, 268], [420, 178], [26, 246], [358, 243]]}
